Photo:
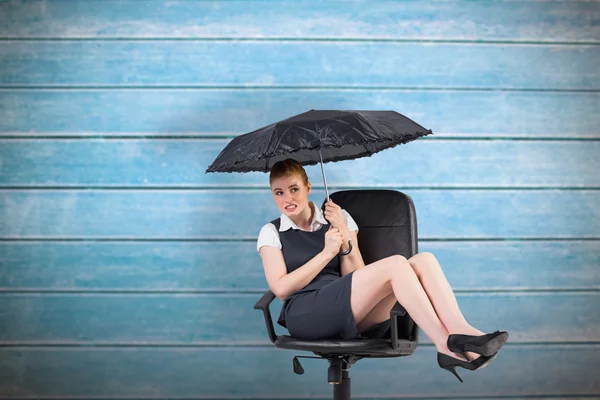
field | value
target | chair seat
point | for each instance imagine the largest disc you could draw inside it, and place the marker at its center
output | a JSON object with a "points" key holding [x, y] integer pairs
{"points": [[360, 347]]}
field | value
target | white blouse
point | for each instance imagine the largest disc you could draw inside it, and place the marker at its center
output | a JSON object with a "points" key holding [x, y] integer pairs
{"points": [[269, 235]]}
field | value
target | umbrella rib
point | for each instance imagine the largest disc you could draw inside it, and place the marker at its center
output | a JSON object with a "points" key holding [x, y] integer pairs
{"points": [[366, 122], [318, 136], [349, 124]]}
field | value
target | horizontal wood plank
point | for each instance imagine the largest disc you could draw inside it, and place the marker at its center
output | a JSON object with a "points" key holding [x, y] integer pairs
{"points": [[551, 371], [320, 64], [572, 21], [236, 214], [200, 111], [183, 162], [218, 266], [230, 319]]}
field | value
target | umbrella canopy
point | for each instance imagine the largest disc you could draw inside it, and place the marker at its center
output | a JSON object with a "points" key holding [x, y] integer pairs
{"points": [[317, 136]]}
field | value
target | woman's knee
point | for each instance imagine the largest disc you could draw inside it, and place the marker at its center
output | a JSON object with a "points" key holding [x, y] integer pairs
{"points": [[397, 259], [425, 256], [398, 264]]}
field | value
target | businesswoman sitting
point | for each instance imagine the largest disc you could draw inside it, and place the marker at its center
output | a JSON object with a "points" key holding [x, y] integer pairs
{"points": [[327, 295]]}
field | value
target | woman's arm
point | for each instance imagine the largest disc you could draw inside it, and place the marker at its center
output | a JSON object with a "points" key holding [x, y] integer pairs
{"points": [[300, 277], [285, 284], [353, 260]]}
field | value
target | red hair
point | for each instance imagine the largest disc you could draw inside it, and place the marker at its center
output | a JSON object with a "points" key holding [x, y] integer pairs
{"points": [[288, 167]]}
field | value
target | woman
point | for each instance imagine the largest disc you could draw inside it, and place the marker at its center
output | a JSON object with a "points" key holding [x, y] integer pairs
{"points": [[331, 296]]}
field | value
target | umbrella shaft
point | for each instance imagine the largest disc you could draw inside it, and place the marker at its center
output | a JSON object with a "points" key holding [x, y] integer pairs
{"points": [[323, 173]]}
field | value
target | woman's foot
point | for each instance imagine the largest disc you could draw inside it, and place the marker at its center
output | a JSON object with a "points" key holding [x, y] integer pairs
{"points": [[469, 331], [443, 348], [480, 343], [451, 363]]}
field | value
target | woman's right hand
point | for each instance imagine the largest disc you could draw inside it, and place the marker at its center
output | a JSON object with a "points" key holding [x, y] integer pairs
{"points": [[333, 241]]}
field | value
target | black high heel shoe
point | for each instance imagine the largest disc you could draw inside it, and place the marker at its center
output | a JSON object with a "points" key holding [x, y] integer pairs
{"points": [[485, 345], [450, 363]]}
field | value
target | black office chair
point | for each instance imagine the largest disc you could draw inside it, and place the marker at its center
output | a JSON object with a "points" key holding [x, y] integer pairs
{"points": [[387, 225]]}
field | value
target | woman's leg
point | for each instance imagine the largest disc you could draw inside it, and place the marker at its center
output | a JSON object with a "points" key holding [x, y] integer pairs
{"points": [[433, 280], [372, 283], [379, 313]]}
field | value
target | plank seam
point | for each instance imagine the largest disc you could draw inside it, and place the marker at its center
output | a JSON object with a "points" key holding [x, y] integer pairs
{"points": [[9, 239], [225, 136], [265, 345], [566, 396], [227, 293], [63, 88], [230, 188], [283, 39]]}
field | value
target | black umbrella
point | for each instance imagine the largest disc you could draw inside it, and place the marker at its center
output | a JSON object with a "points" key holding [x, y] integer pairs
{"points": [[317, 136]]}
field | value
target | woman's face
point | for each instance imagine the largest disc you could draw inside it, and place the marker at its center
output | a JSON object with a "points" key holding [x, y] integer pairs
{"points": [[290, 191]]}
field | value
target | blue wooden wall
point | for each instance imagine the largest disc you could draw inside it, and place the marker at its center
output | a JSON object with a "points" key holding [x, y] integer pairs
{"points": [[127, 272]]}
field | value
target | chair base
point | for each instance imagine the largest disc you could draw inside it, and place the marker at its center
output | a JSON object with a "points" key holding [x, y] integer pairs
{"points": [[342, 354]]}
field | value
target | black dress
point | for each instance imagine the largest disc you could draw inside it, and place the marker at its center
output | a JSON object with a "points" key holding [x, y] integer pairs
{"points": [[320, 310]]}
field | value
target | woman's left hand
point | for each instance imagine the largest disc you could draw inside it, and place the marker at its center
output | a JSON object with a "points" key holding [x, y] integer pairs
{"points": [[333, 214]]}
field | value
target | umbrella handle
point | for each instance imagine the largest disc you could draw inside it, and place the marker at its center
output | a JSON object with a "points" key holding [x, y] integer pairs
{"points": [[349, 249], [341, 253]]}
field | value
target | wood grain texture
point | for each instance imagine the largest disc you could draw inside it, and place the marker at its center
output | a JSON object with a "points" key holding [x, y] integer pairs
{"points": [[120, 259], [182, 163], [570, 21], [210, 372], [214, 266], [200, 111], [299, 64], [167, 214], [213, 319]]}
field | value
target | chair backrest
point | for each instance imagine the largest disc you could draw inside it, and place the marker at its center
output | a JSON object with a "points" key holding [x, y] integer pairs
{"points": [[386, 219]]}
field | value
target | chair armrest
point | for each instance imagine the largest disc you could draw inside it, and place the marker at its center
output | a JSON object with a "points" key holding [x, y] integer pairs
{"points": [[397, 312], [263, 304]]}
